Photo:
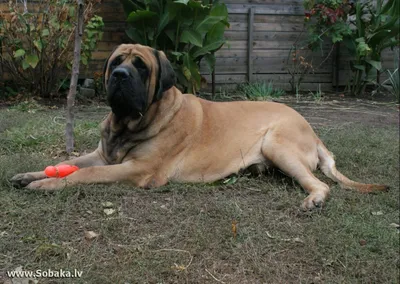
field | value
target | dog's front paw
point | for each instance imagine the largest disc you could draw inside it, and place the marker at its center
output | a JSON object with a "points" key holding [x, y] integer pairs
{"points": [[22, 180], [47, 184]]}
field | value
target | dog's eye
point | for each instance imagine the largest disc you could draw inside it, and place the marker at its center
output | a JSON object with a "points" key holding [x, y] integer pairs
{"points": [[141, 68], [139, 64], [117, 61]]}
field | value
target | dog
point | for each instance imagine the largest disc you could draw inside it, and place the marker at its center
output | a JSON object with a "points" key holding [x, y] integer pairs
{"points": [[155, 134]]}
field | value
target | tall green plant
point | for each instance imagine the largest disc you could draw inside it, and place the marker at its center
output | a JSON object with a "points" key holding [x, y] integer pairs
{"points": [[366, 29], [187, 30], [377, 29]]}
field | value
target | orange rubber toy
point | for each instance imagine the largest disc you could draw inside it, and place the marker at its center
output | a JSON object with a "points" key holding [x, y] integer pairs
{"points": [[60, 171]]}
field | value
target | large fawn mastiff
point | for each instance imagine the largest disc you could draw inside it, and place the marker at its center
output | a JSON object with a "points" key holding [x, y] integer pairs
{"points": [[155, 134]]}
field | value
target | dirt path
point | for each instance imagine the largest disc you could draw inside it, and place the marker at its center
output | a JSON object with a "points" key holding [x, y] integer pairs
{"points": [[331, 111]]}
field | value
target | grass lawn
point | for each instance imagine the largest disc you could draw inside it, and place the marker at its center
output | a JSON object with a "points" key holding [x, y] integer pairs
{"points": [[182, 233]]}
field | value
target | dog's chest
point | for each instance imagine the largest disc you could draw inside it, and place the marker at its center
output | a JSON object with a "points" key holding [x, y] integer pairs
{"points": [[116, 146]]}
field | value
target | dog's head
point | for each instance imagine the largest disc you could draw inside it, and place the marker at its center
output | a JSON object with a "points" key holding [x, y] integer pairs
{"points": [[135, 76]]}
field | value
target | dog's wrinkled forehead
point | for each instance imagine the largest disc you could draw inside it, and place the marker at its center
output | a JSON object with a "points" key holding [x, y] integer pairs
{"points": [[126, 53]]}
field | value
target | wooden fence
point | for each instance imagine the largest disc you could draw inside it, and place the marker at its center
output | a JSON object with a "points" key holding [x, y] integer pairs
{"points": [[261, 41]]}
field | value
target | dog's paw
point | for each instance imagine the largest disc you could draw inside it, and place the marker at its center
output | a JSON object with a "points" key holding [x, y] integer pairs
{"points": [[313, 201], [22, 180], [47, 184]]}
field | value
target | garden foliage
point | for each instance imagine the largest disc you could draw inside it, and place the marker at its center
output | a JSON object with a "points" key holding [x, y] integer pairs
{"points": [[189, 31], [365, 27], [37, 45]]}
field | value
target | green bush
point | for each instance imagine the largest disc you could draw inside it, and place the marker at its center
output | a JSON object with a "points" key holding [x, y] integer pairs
{"points": [[37, 46], [366, 29], [377, 28], [187, 30]]}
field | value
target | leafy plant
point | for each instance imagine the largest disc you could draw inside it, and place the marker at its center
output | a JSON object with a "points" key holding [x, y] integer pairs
{"points": [[366, 29], [38, 45], [326, 19], [260, 91], [377, 28], [187, 30], [298, 66]]}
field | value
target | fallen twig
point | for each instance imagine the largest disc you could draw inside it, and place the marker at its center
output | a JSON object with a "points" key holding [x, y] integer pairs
{"points": [[215, 278], [180, 267]]}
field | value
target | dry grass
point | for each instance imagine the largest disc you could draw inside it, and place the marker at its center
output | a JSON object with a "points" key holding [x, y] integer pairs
{"points": [[182, 233]]}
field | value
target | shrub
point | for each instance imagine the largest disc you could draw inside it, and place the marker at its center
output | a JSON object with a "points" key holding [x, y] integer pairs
{"points": [[327, 19], [37, 46], [365, 28], [187, 30], [377, 28]]}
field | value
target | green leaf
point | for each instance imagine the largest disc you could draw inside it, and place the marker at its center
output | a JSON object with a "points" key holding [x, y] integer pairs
{"points": [[181, 1], [215, 34], [38, 44], [25, 64], [210, 61], [164, 20], [186, 72], [208, 23], [171, 35], [359, 23], [376, 64], [189, 64], [150, 34], [359, 67], [193, 37], [391, 4], [71, 11], [130, 6], [32, 60], [135, 35], [219, 9], [231, 180], [142, 16], [208, 48], [45, 32], [197, 5], [19, 53], [177, 54], [84, 60]]}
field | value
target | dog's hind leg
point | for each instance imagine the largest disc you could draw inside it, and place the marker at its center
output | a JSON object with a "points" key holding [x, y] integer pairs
{"points": [[294, 162]]}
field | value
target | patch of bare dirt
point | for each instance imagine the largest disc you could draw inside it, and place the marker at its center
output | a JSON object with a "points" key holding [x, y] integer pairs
{"points": [[334, 111]]}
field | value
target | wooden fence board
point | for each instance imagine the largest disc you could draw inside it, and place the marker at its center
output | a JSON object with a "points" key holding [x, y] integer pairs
{"points": [[272, 9], [250, 45]]}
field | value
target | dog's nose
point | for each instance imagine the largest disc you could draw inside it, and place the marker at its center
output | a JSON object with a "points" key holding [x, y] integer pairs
{"points": [[120, 73]]}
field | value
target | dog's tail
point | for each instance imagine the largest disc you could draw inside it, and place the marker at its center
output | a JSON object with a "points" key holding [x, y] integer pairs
{"points": [[327, 166]]}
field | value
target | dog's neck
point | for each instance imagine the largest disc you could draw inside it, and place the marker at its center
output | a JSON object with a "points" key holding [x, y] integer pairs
{"points": [[158, 115]]}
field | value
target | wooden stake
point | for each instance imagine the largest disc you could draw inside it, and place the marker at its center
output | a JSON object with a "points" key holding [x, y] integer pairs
{"points": [[69, 130]]}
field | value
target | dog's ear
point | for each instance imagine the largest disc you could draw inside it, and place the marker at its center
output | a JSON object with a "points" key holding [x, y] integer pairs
{"points": [[105, 67], [166, 77]]}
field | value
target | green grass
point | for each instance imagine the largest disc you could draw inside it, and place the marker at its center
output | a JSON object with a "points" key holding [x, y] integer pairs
{"points": [[186, 224], [259, 91]]}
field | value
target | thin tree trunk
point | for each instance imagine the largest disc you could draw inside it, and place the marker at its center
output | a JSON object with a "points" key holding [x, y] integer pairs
{"points": [[69, 131]]}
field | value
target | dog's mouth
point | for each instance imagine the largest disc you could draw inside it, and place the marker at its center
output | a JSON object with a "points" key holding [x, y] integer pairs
{"points": [[126, 94]]}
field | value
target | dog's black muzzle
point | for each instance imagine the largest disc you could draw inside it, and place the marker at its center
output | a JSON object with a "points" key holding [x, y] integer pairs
{"points": [[127, 94]]}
